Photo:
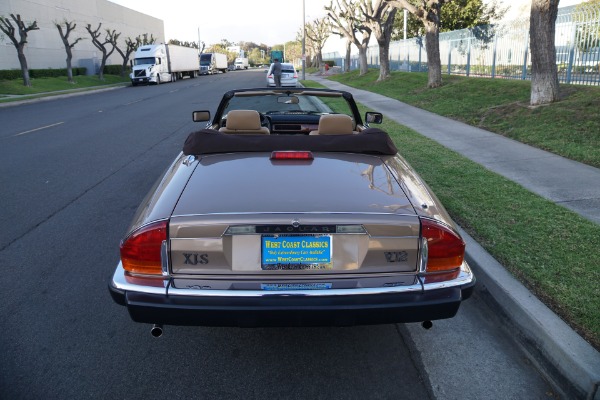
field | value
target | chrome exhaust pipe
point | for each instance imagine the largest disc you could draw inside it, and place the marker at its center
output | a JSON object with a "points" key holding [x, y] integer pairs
{"points": [[156, 331], [427, 325]]}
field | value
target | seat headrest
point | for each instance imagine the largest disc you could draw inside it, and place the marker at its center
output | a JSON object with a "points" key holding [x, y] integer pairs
{"points": [[243, 120], [335, 124]]}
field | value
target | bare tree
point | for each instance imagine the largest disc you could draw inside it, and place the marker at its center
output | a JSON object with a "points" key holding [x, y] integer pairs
{"points": [[428, 12], [130, 47], [64, 35], [102, 46], [379, 17], [317, 33], [544, 73], [7, 27], [345, 15], [145, 40], [347, 33]]}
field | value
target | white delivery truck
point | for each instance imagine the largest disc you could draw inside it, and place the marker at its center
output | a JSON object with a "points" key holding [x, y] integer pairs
{"points": [[212, 63], [241, 63], [157, 63]]}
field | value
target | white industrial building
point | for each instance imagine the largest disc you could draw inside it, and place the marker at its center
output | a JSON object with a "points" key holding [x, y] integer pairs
{"points": [[45, 48]]}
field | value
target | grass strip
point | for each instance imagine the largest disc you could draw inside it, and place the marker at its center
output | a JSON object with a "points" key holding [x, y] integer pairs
{"points": [[43, 85], [552, 250], [570, 127]]}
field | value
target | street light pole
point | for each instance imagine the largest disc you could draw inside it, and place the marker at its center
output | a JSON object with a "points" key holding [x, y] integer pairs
{"points": [[303, 41]]}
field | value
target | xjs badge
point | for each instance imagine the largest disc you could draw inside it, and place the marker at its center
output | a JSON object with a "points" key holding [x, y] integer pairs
{"points": [[396, 256]]}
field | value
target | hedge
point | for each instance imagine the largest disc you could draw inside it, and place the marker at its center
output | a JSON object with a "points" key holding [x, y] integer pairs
{"points": [[10, 74], [115, 69]]}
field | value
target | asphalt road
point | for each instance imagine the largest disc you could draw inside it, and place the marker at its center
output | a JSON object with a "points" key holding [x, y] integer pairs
{"points": [[73, 171]]}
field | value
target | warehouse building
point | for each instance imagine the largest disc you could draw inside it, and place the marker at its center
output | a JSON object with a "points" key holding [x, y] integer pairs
{"points": [[45, 48]]}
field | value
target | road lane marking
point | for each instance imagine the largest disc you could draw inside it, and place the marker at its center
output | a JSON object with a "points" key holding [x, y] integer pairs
{"points": [[133, 102], [38, 129]]}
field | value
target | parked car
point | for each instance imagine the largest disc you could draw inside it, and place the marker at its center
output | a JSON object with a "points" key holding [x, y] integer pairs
{"points": [[287, 209], [289, 75]]}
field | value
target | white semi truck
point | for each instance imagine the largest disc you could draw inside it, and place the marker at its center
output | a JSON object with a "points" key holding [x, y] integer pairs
{"points": [[241, 63], [212, 63], [158, 63]]}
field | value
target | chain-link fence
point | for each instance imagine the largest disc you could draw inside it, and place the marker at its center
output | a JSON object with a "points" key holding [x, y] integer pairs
{"points": [[502, 50]]}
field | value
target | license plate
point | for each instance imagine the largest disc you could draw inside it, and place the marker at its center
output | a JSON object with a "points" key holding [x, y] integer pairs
{"points": [[294, 253]]}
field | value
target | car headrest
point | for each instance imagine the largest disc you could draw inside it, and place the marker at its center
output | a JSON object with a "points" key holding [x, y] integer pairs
{"points": [[243, 121], [335, 124]]}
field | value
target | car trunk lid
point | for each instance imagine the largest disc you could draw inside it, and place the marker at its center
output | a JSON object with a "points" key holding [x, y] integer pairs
{"points": [[245, 215]]}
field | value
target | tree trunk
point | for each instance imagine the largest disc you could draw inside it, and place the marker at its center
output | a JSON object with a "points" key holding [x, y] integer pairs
{"points": [[348, 55], [69, 67], [362, 56], [432, 46], [123, 68], [24, 68], [384, 59], [102, 65], [544, 74]]}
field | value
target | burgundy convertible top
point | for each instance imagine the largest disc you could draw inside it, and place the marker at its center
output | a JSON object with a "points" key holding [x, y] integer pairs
{"points": [[209, 141]]}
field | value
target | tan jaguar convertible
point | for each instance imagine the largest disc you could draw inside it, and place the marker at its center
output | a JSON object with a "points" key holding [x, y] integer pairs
{"points": [[288, 210]]}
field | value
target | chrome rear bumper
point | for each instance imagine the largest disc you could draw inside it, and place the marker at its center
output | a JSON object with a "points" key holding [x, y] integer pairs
{"points": [[160, 302]]}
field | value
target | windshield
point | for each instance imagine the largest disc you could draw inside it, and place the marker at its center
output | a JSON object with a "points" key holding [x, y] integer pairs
{"points": [[205, 59], [295, 103], [285, 69], [144, 61]]}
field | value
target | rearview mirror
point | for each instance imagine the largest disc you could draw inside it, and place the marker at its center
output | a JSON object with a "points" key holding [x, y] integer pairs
{"points": [[373, 117], [201, 116]]}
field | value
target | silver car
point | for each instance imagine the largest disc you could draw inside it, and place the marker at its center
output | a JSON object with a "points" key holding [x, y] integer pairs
{"points": [[289, 76], [287, 209]]}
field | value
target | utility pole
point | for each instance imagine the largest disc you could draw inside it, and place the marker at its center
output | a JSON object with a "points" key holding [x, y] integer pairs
{"points": [[303, 41]]}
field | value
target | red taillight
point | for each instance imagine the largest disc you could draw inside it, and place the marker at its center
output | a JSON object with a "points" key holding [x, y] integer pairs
{"points": [[445, 250], [141, 251], [291, 155]]}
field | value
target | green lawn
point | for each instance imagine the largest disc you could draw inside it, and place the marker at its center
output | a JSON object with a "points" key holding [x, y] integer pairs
{"points": [[570, 127], [52, 85], [553, 251]]}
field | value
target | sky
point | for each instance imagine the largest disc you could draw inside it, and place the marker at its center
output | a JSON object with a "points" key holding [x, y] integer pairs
{"points": [[260, 21], [267, 22]]}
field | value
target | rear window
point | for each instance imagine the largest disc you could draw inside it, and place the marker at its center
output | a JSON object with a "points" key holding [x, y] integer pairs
{"points": [[285, 68]]}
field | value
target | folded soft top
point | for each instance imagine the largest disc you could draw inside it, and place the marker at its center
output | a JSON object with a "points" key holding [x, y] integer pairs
{"points": [[209, 141]]}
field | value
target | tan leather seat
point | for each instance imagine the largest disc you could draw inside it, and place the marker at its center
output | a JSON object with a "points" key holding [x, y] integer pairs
{"points": [[244, 122], [335, 124]]}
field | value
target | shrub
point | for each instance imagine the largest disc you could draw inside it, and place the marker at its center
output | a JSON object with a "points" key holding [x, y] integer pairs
{"points": [[114, 69], [10, 74], [53, 73]]}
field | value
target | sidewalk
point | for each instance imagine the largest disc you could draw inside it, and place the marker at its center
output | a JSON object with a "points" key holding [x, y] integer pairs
{"points": [[550, 343]]}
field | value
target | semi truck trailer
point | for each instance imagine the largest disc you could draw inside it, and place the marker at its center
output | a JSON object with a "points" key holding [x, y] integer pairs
{"points": [[158, 63], [212, 63]]}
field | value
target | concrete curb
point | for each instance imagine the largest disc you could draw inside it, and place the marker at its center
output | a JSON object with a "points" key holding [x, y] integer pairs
{"points": [[560, 353]]}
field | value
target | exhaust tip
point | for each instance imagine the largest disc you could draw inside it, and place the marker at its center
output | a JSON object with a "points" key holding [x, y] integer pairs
{"points": [[156, 331], [427, 325]]}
